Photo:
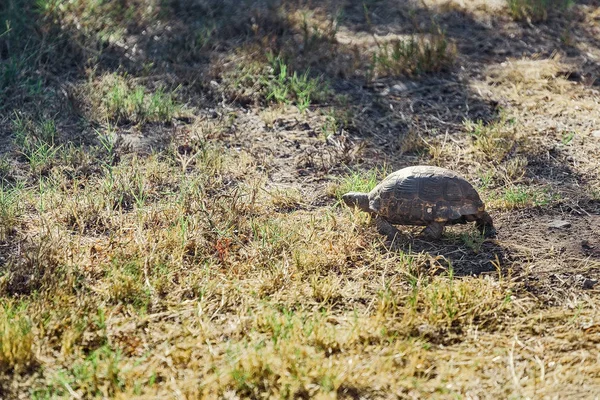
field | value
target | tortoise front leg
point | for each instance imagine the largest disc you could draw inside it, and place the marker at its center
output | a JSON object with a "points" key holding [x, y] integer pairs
{"points": [[485, 225], [433, 231], [385, 228]]}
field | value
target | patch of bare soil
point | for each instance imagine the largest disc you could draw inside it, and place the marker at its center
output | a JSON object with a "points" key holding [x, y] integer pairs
{"points": [[557, 250], [291, 148]]}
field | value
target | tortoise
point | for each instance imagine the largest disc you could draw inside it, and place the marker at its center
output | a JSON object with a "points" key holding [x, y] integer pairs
{"points": [[423, 195]]}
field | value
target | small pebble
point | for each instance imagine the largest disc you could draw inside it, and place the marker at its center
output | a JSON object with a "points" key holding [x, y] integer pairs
{"points": [[559, 224], [596, 134]]}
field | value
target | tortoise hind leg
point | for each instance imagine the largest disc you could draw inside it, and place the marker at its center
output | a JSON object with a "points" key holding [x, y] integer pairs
{"points": [[485, 225], [433, 231]]}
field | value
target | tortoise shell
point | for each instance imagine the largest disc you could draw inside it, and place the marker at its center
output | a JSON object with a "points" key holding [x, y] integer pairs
{"points": [[423, 194]]}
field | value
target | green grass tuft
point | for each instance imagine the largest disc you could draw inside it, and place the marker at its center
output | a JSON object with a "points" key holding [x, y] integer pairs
{"points": [[273, 82], [536, 10], [521, 196], [357, 181], [36, 141], [284, 87], [122, 101], [414, 56], [494, 140]]}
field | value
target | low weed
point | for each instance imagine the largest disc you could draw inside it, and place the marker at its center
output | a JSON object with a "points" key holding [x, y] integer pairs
{"points": [[411, 142], [330, 126], [594, 193], [326, 290], [473, 240], [515, 168], [314, 33], [270, 116], [24, 50], [17, 80], [286, 199], [336, 119], [127, 283], [7, 171], [517, 197], [486, 179], [95, 23], [567, 137]]}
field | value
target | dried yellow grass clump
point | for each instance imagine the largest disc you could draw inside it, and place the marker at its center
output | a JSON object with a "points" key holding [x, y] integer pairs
{"points": [[16, 338]]}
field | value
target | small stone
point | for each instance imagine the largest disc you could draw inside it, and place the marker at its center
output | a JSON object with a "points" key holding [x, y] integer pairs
{"points": [[596, 134], [559, 224], [399, 88]]}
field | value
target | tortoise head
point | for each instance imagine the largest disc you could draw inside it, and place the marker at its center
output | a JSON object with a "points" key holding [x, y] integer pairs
{"points": [[486, 225], [357, 199]]}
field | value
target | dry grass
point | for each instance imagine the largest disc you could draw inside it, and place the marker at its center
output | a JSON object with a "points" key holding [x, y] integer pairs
{"points": [[170, 222], [260, 279], [495, 141], [16, 340]]}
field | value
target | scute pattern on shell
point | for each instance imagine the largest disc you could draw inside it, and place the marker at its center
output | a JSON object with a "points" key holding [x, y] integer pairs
{"points": [[423, 194]]}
